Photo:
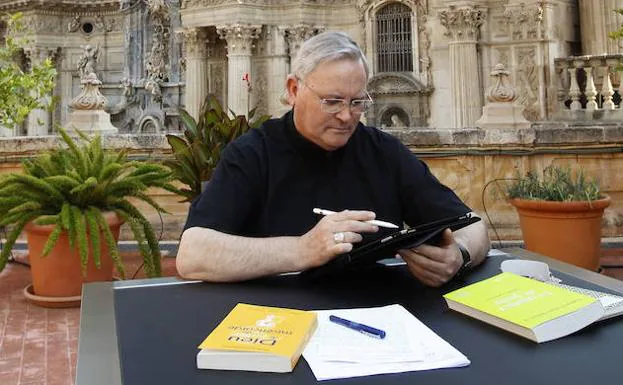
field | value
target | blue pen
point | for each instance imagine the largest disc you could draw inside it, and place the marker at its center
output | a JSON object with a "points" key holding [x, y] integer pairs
{"points": [[361, 328]]}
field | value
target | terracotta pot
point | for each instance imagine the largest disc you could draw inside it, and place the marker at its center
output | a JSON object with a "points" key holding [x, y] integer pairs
{"points": [[59, 274], [567, 231]]}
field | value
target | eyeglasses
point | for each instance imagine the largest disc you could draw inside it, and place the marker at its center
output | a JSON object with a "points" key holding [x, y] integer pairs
{"points": [[333, 106]]}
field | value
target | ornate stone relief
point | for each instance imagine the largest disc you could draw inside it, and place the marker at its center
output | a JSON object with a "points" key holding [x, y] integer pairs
{"points": [[501, 91], [364, 6], [426, 62], [195, 42], [502, 56], [528, 82], [217, 80], [74, 24], [296, 34], [462, 23], [100, 23], [104, 24], [524, 22], [239, 37], [39, 54], [127, 4], [258, 87], [209, 3], [394, 83], [157, 61], [42, 24]]}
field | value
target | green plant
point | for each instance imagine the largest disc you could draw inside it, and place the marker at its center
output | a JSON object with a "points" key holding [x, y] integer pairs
{"points": [[70, 187], [554, 184], [618, 33], [21, 91], [197, 153]]}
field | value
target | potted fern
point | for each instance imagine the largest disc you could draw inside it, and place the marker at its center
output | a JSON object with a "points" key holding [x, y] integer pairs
{"points": [[71, 202], [198, 151], [560, 214]]}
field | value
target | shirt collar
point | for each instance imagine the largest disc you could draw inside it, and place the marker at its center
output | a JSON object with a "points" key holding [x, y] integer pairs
{"points": [[304, 145]]}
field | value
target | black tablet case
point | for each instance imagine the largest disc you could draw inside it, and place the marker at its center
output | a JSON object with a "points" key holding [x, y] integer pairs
{"points": [[386, 247]]}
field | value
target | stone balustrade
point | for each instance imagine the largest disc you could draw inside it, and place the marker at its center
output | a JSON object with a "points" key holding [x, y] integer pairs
{"points": [[589, 87]]}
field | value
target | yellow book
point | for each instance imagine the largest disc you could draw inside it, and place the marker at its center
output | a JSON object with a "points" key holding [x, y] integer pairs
{"points": [[526, 307], [257, 338]]}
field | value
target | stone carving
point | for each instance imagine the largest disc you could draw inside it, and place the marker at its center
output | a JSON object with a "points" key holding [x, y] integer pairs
{"points": [[239, 37], [39, 54], [425, 59], [156, 64], [74, 24], [129, 92], [501, 90], [42, 24], [397, 122], [528, 80], [295, 36], [195, 42], [88, 60], [524, 22], [217, 80], [87, 109], [104, 25], [259, 89], [185, 4], [462, 23], [157, 6], [502, 55], [153, 87], [364, 6], [501, 112], [127, 4], [90, 98], [394, 116], [395, 83]]}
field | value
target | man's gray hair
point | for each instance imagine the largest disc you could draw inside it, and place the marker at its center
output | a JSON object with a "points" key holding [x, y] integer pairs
{"points": [[324, 47]]}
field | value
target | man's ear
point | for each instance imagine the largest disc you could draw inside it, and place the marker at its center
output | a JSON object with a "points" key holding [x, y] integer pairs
{"points": [[292, 89]]}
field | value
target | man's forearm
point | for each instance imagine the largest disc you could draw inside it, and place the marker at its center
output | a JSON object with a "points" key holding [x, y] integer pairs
{"points": [[210, 255], [476, 239]]}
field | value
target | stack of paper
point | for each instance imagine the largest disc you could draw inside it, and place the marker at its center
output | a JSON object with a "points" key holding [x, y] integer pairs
{"points": [[335, 351]]}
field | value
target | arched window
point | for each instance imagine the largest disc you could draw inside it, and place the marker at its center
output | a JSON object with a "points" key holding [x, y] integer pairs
{"points": [[393, 38]]}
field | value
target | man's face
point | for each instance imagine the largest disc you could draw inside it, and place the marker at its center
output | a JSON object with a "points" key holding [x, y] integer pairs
{"points": [[343, 79]]}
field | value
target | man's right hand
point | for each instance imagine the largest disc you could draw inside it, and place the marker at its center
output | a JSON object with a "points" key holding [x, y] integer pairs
{"points": [[333, 235]]}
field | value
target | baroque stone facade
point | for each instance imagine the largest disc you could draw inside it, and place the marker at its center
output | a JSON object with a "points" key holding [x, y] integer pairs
{"points": [[429, 76], [156, 55]]}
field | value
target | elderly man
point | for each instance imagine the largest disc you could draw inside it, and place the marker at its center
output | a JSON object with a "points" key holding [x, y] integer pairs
{"points": [[255, 217]]}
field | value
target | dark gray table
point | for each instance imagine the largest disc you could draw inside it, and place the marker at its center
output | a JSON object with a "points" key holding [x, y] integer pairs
{"points": [[497, 356]]}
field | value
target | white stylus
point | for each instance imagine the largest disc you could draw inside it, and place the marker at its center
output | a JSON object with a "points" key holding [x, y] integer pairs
{"points": [[372, 222]]}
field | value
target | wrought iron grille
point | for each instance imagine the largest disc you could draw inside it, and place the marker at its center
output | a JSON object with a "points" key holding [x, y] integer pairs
{"points": [[393, 39]]}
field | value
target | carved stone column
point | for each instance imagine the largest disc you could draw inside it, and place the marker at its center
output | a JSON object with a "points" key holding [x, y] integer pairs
{"points": [[278, 69], [597, 19], [39, 121], [297, 34], [239, 39], [463, 28], [195, 46]]}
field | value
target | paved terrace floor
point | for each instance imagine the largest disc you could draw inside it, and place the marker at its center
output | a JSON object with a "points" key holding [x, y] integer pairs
{"points": [[38, 346]]}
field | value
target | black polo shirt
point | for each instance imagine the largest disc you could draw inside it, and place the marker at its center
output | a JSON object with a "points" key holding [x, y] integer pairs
{"points": [[269, 180]]}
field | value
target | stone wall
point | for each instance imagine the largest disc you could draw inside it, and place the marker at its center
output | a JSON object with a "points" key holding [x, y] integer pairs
{"points": [[467, 160]]}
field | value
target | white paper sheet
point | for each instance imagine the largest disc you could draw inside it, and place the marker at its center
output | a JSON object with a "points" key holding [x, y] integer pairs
{"points": [[338, 352]]}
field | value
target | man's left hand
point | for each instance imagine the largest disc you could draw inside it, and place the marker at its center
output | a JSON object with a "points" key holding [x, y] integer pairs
{"points": [[434, 265]]}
